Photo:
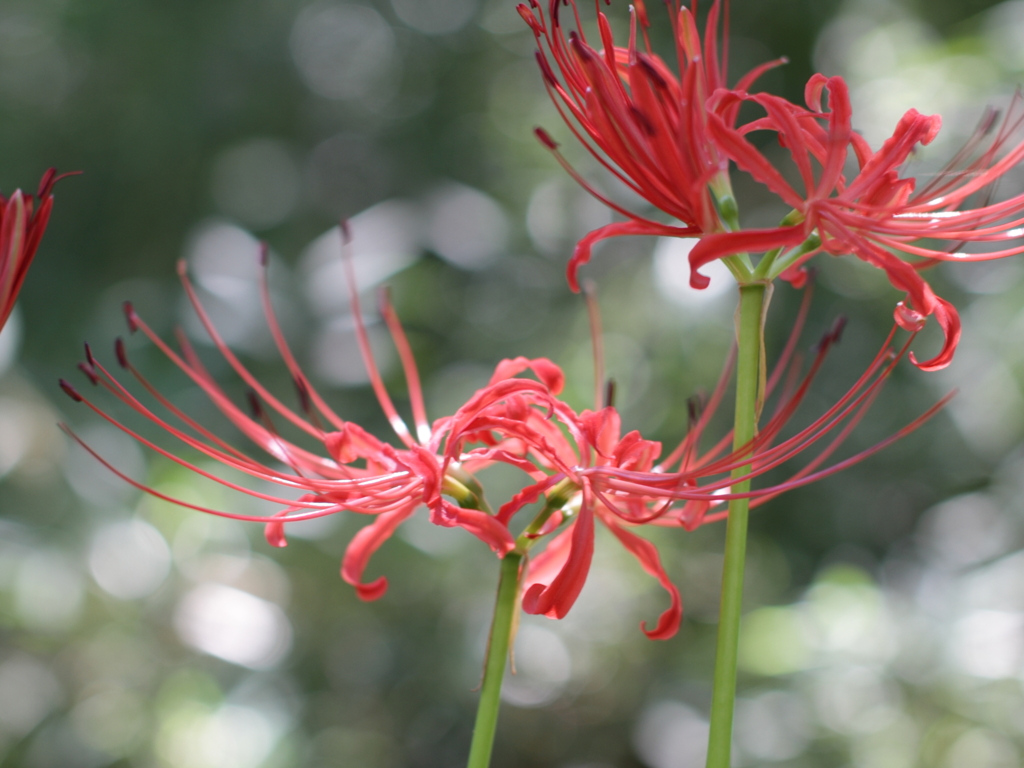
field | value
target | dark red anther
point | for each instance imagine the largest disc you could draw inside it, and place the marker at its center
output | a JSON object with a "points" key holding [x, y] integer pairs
{"points": [[545, 68], [254, 405], [88, 354], [346, 232], [988, 121], [264, 253], [130, 317], [831, 336], [694, 408], [545, 138], [609, 393], [90, 372], [581, 48], [645, 125], [529, 18], [304, 401], [122, 356], [70, 391], [651, 70], [838, 326]]}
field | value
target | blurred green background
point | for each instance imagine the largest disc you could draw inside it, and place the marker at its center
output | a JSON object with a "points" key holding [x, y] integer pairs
{"points": [[886, 623]]}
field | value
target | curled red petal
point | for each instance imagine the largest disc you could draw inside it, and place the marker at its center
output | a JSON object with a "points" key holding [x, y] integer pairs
{"points": [[908, 318], [949, 320], [274, 531], [647, 555], [364, 544], [711, 247], [555, 599], [542, 568], [484, 526], [528, 495], [582, 252], [813, 91], [550, 375]]}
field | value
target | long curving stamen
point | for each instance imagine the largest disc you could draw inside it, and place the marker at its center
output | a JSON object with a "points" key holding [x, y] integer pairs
{"points": [[596, 341], [231, 358], [285, 350], [412, 374], [363, 339]]}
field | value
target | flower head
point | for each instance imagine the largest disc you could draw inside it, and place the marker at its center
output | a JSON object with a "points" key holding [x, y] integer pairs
{"points": [[588, 471], [582, 469], [877, 215], [641, 120], [23, 219], [352, 471]]}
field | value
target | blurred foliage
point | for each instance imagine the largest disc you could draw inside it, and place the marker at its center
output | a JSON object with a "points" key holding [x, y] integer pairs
{"points": [[885, 603]]}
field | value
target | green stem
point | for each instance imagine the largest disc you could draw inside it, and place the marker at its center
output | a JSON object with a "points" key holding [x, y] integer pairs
{"points": [[748, 377], [494, 665]]}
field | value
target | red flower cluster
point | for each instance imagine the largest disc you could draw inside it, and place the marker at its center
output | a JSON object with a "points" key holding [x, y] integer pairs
{"points": [[580, 464], [670, 139]]}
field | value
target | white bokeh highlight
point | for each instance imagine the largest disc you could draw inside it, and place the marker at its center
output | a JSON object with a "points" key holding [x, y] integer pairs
{"points": [[672, 276], [435, 17], [234, 626], [466, 227], [129, 559], [343, 51], [385, 239], [256, 182]]}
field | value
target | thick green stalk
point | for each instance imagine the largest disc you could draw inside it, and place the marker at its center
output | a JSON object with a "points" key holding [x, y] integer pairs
{"points": [[494, 665], [748, 382]]}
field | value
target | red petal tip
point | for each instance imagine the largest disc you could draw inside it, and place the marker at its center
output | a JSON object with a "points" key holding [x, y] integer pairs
{"points": [[273, 532], [50, 178], [372, 591], [699, 281]]}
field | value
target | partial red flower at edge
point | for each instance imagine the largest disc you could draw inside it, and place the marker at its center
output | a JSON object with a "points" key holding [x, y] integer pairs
{"points": [[23, 220], [877, 216], [642, 122]]}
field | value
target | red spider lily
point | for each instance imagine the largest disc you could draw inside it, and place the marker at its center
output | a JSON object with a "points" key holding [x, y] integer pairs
{"points": [[579, 462], [355, 471], [640, 120], [588, 470], [877, 215], [23, 219]]}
